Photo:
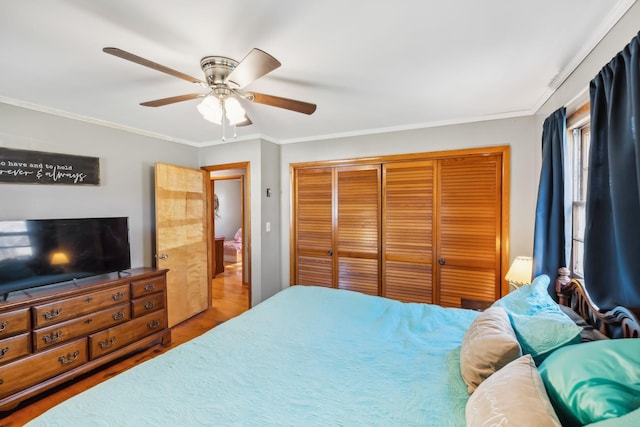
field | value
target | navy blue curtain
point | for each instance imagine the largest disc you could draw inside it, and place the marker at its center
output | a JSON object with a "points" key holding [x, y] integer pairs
{"points": [[550, 241], [612, 234]]}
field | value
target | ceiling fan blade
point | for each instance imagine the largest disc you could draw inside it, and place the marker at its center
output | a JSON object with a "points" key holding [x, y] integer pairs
{"points": [[247, 122], [172, 100], [139, 60], [277, 101], [255, 65]]}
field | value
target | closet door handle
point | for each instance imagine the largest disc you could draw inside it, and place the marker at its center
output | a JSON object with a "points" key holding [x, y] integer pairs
{"points": [[441, 261], [329, 252]]}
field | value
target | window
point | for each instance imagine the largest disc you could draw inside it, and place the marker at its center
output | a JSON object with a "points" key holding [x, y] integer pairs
{"points": [[14, 240], [579, 138]]}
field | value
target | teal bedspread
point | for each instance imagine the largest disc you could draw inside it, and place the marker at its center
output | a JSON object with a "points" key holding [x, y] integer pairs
{"points": [[307, 356]]}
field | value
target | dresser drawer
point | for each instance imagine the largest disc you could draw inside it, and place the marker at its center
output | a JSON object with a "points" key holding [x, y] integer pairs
{"points": [[65, 331], [14, 347], [28, 371], [151, 303], [14, 322], [145, 287], [119, 336], [55, 312]]}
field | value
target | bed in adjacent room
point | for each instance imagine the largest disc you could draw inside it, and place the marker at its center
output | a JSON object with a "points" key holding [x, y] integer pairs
{"points": [[312, 356], [233, 248]]}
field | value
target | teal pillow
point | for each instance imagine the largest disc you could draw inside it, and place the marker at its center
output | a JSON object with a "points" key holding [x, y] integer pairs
{"points": [[540, 325], [594, 381], [632, 419]]}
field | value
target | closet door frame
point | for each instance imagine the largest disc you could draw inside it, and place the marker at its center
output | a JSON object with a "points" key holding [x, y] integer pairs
{"points": [[504, 151]]}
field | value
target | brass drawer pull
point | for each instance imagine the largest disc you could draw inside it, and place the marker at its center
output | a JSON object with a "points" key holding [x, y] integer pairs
{"points": [[154, 324], [3, 352], [1, 381], [118, 316], [107, 343], [150, 287], [88, 299], [3, 326], [150, 304], [70, 358], [88, 321], [52, 337], [49, 315], [118, 296]]}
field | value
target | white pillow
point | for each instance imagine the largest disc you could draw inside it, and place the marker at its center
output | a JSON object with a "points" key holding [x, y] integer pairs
{"points": [[515, 396]]}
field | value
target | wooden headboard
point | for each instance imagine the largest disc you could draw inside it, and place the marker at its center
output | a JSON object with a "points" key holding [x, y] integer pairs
{"points": [[618, 322]]}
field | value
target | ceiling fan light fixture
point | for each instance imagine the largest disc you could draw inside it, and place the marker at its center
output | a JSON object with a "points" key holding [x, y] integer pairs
{"points": [[235, 112], [211, 109]]}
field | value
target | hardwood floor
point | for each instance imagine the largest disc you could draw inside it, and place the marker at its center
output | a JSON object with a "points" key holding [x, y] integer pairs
{"points": [[229, 299]]}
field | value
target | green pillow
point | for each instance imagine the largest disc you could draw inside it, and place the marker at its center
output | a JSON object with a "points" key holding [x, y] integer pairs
{"points": [[632, 419], [593, 381], [540, 325]]}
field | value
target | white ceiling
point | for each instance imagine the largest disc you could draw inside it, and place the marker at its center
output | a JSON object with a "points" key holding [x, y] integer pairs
{"points": [[369, 65]]}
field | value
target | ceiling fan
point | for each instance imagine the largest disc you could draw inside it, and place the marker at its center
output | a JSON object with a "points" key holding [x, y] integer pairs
{"points": [[224, 77]]}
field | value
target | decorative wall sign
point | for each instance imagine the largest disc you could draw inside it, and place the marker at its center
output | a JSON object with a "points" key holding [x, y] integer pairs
{"points": [[38, 167]]}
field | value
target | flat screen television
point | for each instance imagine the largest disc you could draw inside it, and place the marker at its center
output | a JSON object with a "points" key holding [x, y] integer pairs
{"points": [[38, 252]]}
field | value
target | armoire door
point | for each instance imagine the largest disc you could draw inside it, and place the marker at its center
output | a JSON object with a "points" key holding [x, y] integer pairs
{"points": [[407, 230], [468, 229]]}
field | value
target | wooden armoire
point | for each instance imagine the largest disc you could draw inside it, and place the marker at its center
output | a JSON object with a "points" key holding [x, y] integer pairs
{"points": [[428, 227]]}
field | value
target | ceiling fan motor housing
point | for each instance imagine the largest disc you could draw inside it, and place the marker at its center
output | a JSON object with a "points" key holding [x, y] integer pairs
{"points": [[217, 69]]}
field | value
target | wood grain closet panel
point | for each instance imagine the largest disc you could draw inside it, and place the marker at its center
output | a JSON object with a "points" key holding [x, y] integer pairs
{"points": [[358, 196], [314, 226], [466, 283], [315, 270], [408, 281], [469, 229], [314, 200], [358, 274], [358, 228], [407, 231]]}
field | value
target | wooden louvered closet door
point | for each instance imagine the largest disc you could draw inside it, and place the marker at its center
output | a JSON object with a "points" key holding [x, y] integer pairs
{"points": [[313, 221], [417, 230], [358, 228], [468, 236], [337, 227], [407, 231]]}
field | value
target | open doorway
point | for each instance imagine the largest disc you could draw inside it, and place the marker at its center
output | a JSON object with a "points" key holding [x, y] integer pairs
{"points": [[231, 284]]}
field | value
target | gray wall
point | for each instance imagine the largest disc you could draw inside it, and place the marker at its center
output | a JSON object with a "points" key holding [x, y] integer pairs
{"points": [[126, 173], [271, 243], [229, 218]]}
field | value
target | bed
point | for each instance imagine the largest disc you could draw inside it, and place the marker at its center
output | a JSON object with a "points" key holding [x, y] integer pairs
{"points": [[312, 356], [233, 248]]}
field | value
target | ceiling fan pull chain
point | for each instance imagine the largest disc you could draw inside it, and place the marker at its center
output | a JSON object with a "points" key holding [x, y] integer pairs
{"points": [[223, 119]]}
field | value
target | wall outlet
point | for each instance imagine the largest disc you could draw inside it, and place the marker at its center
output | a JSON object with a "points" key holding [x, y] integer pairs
{"points": [[267, 227]]}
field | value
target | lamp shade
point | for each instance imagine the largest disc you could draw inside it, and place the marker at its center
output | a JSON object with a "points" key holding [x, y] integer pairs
{"points": [[59, 258], [520, 271]]}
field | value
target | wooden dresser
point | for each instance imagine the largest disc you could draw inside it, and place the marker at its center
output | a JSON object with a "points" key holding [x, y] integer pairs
{"points": [[52, 334]]}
